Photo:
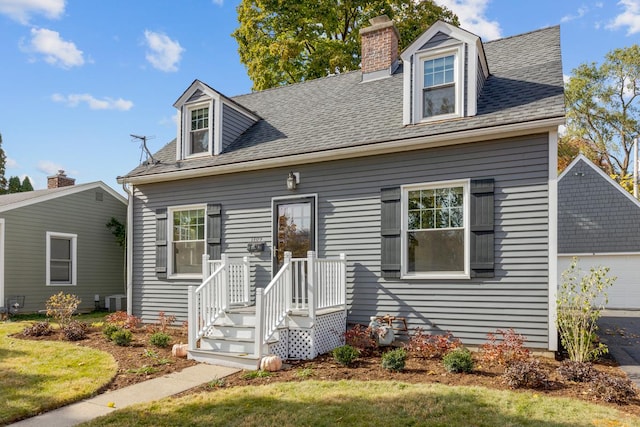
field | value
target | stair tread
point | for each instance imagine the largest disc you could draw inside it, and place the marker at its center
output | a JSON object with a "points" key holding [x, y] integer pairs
{"points": [[226, 353], [234, 339]]}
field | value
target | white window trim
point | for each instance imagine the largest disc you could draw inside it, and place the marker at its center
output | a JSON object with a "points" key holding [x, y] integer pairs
{"points": [[418, 79], [466, 199], [74, 257], [170, 210], [186, 126]]}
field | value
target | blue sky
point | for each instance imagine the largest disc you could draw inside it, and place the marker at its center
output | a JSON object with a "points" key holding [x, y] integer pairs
{"points": [[77, 77]]}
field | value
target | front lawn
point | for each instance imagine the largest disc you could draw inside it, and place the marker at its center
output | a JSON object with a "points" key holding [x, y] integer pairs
{"points": [[42, 375], [371, 403]]}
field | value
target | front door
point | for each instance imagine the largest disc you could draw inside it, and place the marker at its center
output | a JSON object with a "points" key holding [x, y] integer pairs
{"points": [[294, 228]]}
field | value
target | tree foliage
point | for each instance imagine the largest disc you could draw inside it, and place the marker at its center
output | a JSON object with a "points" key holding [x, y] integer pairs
{"points": [[16, 186], [603, 112], [282, 42]]}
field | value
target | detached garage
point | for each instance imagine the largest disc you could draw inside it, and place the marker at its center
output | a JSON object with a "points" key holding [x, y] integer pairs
{"points": [[599, 222]]}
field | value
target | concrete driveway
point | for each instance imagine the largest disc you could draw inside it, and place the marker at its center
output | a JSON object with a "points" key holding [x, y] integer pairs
{"points": [[620, 331]]}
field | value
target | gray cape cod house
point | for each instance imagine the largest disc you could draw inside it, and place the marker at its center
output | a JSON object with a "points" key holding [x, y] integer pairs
{"points": [[599, 223], [422, 187], [56, 240]]}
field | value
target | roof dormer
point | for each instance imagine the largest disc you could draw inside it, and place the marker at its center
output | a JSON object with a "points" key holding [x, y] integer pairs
{"points": [[444, 71], [208, 122]]}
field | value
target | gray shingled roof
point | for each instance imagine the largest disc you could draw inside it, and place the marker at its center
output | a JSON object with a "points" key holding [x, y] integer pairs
{"points": [[339, 111], [7, 201]]}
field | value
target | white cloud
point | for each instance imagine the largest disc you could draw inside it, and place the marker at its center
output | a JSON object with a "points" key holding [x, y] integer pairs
{"points": [[218, 2], [56, 51], [107, 103], [471, 14], [49, 167], [164, 53], [22, 10], [10, 163], [629, 18], [582, 11]]}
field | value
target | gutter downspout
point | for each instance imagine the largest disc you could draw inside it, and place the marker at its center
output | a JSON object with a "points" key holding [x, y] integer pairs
{"points": [[129, 249]]}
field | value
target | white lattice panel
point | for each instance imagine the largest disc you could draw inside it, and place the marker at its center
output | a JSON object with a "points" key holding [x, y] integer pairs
{"points": [[301, 344], [329, 331], [281, 348]]}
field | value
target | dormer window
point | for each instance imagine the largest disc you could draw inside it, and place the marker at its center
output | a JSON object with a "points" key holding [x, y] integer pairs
{"points": [[199, 134], [438, 87], [208, 121], [444, 72]]}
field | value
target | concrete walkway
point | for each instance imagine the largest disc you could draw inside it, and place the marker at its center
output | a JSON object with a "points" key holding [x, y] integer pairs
{"points": [[145, 391], [620, 331]]}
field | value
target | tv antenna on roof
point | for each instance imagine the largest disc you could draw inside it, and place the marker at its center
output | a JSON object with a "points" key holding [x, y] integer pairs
{"points": [[146, 150]]}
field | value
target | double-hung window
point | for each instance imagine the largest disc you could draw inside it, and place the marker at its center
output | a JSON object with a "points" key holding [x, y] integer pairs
{"points": [[187, 239], [199, 130], [436, 229], [61, 252], [438, 81]]}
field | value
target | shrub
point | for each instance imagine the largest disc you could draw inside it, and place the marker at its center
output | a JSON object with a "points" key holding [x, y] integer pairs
{"points": [[75, 330], [427, 346], [61, 307], [509, 350], [345, 355], [39, 329], [123, 320], [613, 389], [458, 360], [122, 337], [525, 374], [580, 301], [109, 329], [361, 338], [581, 372], [394, 360], [160, 339]]}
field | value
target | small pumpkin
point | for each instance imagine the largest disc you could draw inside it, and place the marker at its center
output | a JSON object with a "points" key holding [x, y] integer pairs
{"points": [[179, 350], [271, 363]]}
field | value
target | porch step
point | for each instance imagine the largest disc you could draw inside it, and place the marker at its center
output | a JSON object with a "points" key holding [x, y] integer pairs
{"points": [[232, 360], [226, 344]]}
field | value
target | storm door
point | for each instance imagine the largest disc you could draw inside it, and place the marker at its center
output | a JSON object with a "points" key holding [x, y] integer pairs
{"points": [[294, 229]]}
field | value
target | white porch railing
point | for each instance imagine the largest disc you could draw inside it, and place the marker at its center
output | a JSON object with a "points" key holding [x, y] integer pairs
{"points": [[226, 283], [308, 284]]}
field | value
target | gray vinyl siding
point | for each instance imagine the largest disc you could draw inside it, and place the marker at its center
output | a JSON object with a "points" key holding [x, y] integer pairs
{"points": [[100, 261], [594, 216], [348, 194], [438, 40], [234, 124]]}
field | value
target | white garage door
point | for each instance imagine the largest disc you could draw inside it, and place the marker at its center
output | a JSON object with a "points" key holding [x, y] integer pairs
{"points": [[625, 292]]}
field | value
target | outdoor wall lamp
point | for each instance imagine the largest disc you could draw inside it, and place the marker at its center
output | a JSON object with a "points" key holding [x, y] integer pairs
{"points": [[293, 180]]}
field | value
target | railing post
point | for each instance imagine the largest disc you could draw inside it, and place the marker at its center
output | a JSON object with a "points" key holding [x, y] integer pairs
{"points": [[311, 285], [192, 321], [343, 279], [259, 323], [288, 280], [205, 267], [245, 273], [225, 282]]}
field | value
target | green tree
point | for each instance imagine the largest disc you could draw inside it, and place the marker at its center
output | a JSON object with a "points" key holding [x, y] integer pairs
{"points": [[3, 161], [14, 185], [603, 112], [26, 185], [283, 41]]}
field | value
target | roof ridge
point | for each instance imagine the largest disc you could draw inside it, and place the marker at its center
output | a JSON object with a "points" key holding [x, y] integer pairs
{"points": [[523, 34]]}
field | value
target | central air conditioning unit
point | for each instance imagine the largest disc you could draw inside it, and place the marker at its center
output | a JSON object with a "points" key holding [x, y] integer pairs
{"points": [[115, 302]]}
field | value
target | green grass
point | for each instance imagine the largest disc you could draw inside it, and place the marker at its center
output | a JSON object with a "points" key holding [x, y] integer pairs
{"points": [[41, 375], [353, 403]]}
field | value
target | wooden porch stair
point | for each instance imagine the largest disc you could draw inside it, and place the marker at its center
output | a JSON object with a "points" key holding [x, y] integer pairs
{"points": [[309, 311]]}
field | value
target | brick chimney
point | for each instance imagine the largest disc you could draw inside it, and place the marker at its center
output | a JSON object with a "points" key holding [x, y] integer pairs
{"points": [[379, 48], [60, 180]]}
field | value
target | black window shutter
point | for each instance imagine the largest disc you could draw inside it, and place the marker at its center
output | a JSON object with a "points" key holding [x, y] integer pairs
{"points": [[390, 229], [482, 230], [214, 231], [161, 243]]}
